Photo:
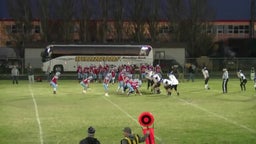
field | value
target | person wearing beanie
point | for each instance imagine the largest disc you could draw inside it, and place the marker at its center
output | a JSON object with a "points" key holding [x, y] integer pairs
{"points": [[90, 139], [130, 138]]}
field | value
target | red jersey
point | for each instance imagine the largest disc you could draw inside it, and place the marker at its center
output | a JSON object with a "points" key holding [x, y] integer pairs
{"points": [[55, 79], [79, 69], [128, 68], [86, 81], [158, 69], [113, 73], [86, 69], [143, 68], [150, 67], [121, 76], [134, 84]]}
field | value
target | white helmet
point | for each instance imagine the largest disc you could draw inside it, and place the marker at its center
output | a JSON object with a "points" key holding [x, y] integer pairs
{"points": [[57, 73]]}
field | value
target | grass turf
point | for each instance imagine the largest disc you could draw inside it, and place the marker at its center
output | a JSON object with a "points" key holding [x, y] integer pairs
{"points": [[31, 114]]}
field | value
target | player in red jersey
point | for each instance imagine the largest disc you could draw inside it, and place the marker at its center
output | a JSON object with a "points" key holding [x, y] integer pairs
{"points": [[53, 82], [85, 83], [136, 83], [106, 82], [113, 75], [121, 76], [86, 72]]}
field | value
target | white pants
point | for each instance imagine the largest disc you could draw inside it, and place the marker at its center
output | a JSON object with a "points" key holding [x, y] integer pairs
{"points": [[31, 78]]}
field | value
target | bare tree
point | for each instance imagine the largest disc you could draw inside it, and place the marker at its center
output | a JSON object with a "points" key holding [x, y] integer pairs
{"points": [[84, 16], [190, 21], [118, 16], [62, 20], [176, 14], [104, 5], [137, 14], [20, 11], [152, 18], [199, 17], [44, 16], [253, 13]]}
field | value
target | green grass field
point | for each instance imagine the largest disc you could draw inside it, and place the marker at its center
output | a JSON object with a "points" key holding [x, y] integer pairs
{"points": [[31, 114]]}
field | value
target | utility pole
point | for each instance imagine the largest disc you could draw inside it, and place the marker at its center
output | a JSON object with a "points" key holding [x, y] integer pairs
{"points": [[252, 19]]}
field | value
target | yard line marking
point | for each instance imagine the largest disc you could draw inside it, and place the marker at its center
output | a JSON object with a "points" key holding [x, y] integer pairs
{"points": [[218, 116], [37, 116], [127, 114]]}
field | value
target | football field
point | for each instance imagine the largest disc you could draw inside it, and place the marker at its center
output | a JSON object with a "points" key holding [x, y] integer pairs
{"points": [[32, 114]]}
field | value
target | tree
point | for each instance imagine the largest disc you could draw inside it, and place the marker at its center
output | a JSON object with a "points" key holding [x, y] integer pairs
{"points": [[176, 14], [118, 16], [44, 17], [104, 5], [21, 12], [152, 7], [84, 16], [64, 14], [198, 22], [137, 14], [190, 24]]}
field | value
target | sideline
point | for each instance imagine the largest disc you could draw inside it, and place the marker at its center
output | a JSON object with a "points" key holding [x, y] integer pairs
{"points": [[217, 115], [37, 116], [127, 114]]}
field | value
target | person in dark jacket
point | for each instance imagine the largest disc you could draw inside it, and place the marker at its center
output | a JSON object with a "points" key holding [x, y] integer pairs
{"points": [[90, 139], [130, 138]]}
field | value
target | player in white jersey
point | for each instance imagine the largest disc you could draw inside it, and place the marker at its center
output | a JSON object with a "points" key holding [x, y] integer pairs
{"points": [[149, 75], [167, 86], [174, 82], [243, 80], [206, 78], [157, 82]]}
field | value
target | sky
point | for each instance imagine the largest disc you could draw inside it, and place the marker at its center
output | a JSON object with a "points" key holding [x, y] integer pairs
{"points": [[224, 9], [231, 9]]}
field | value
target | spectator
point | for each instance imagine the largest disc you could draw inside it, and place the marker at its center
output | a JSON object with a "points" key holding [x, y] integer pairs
{"points": [[130, 138], [15, 74], [31, 77], [191, 71], [225, 80], [90, 139], [48, 74]]}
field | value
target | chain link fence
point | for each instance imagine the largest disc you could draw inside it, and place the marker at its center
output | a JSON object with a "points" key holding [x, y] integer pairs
{"points": [[215, 66]]}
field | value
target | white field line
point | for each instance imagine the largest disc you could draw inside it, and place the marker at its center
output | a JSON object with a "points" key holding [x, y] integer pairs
{"points": [[218, 116], [127, 114], [37, 116]]}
